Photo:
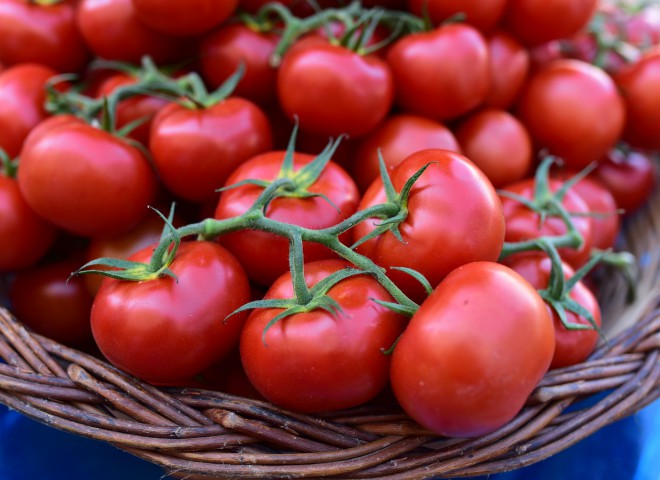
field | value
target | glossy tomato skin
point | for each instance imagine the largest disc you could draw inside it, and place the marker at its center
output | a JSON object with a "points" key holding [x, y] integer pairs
{"points": [[509, 69], [473, 352], [482, 14], [195, 150], [265, 256], [25, 237], [524, 224], [314, 361], [454, 217], [573, 109], [397, 137], [440, 74], [85, 199], [183, 18], [22, 98], [498, 143], [571, 346], [638, 82], [43, 34], [333, 90], [45, 299], [165, 331], [223, 49]]}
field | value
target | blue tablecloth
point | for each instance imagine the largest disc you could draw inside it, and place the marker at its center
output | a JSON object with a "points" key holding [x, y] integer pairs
{"points": [[626, 450]]}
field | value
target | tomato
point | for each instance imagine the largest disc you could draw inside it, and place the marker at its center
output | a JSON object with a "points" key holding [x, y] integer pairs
{"points": [[525, 224], [65, 177], [167, 330], [47, 301], [316, 361], [498, 143], [43, 34], [574, 109], [221, 52], [265, 256], [253, 6], [571, 346], [333, 90], [112, 31], [398, 136], [196, 149], [22, 97], [454, 217], [440, 74], [482, 14], [509, 68], [638, 83], [537, 21], [25, 237], [183, 18], [473, 352]]}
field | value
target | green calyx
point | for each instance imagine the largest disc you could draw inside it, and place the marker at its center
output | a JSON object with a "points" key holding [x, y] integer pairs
{"points": [[8, 166]]}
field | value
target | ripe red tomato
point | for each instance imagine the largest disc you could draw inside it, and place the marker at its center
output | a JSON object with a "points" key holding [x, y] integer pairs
{"points": [[574, 109], [25, 237], [46, 300], [482, 14], [473, 352], [571, 346], [316, 361], [509, 68], [398, 136], [440, 74], [265, 256], [454, 217], [183, 18], [333, 90], [84, 179], [167, 330], [47, 34], [196, 149], [498, 143], [22, 98]]}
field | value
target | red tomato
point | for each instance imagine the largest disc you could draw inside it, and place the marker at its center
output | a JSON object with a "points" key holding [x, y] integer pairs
{"points": [[509, 67], [316, 361], [473, 352], [183, 18], [225, 48], [538, 21], [46, 34], [482, 14], [195, 149], [398, 136], [83, 179], [112, 31], [47, 301], [440, 74], [454, 217], [24, 236], [525, 224], [571, 346], [574, 109], [638, 83], [265, 256], [333, 90], [22, 98], [498, 143], [253, 6], [167, 330]]}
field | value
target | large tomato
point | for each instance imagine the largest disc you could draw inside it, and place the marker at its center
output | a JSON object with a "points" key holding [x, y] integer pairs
{"points": [[473, 352], [167, 330], [453, 217], [183, 18], [84, 179], [316, 361]]}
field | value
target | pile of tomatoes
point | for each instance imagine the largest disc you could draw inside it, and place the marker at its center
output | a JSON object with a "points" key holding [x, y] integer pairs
{"points": [[376, 200]]}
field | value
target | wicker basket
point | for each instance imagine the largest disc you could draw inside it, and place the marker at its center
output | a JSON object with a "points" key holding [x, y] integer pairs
{"points": [[195, 432]]}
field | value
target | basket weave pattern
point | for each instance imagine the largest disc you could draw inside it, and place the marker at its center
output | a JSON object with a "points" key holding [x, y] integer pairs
{"points": [[190, 431]]}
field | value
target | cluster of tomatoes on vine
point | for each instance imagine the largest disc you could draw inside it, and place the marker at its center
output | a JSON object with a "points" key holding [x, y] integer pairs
{"points": [[366, 194]]}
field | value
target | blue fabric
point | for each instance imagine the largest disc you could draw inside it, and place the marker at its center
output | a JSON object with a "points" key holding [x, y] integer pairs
{"points": [[626, 450]]}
